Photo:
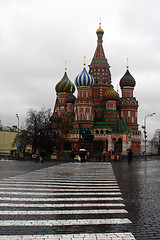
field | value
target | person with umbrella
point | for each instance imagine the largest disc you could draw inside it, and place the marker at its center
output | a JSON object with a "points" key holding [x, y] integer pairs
{"points": [[82, 155], [130, 156]]}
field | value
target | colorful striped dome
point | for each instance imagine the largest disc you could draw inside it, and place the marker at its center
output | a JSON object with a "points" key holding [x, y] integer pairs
{"points": [[65, 85], [71, 98], [84, 79], [127, 80], [111, 95]]}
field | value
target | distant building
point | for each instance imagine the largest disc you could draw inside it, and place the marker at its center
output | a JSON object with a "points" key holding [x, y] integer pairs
{"points": [[6, 139], [98, 119]]}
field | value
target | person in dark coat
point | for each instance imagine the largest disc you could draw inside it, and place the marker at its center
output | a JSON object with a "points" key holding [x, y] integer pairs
{"points": [[130, 156], [73, 156], [82, 156], [99, 158], [104, 157]]}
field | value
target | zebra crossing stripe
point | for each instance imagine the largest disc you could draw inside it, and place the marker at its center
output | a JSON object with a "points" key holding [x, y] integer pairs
{"points": [[62, 180], [116, 189], [51, 186], [97, 211], [64, 222], [60, 194], [86, 236], [61, 199], [44, 205], [59, 183]]}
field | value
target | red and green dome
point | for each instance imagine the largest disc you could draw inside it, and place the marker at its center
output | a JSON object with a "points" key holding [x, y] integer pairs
{"points": [[127, 80], [65, 85], [71, 98], [111, 94]]}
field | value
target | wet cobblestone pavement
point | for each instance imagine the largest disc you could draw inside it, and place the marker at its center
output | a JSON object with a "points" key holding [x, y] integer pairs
{"points": [[79, 201], [140, 186]]}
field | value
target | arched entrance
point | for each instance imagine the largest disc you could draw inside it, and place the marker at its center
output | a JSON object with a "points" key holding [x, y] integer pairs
{"points": [[118, 146], [113, 144]]}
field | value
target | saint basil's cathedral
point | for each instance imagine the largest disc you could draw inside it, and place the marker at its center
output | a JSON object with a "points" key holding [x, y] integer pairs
{"points": [[98, 119]]}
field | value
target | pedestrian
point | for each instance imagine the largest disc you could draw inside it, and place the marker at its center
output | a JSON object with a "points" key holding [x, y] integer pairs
{"points": [[99, 158], [36, 158], [107, 155], [104, 157], [82, 156], [41, 157], [115, 156], [73, 156], [87, 155], [130, 156]]}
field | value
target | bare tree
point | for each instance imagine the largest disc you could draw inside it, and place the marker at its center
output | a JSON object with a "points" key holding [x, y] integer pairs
{"points": [[38, 125], [156, 141], [25, 140]]}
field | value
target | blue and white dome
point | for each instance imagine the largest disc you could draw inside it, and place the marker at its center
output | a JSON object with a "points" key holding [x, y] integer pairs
{"points": [[84, 79]]}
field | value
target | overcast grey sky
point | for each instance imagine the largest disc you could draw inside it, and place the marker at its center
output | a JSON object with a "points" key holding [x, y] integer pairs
{"points": [[37, 36]]}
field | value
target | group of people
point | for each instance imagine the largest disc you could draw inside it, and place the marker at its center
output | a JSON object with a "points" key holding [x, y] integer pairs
{"points": [[39, 157], [100, 157], [106, 156], [83, 155]]}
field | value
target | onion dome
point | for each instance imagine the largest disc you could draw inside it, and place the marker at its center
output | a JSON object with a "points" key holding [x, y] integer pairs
{"points": [[71, 98], [65, 85], [127, 80], [84, 78], [111, 95], [100, 29]]}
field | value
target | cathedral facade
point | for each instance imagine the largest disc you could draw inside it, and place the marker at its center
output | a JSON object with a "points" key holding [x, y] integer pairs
{"points": [[98, 119]]}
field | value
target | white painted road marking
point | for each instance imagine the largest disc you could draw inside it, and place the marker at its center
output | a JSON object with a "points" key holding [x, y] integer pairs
{"points": [[64, 222], [36, 212], [43, 193], [86, 236]]}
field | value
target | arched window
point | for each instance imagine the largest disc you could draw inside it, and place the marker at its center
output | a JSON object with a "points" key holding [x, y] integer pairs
{"points": [[97, 132], [101, 132]]}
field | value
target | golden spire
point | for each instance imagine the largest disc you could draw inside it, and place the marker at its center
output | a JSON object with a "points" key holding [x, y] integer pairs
{"points": [[65, 66], [84, 62], [127, 64], [100, 29]]}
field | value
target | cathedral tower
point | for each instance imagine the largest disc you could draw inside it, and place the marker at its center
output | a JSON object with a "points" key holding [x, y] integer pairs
{"points": [[63, 89], [84, 104], [100, 70], [128, 103]]}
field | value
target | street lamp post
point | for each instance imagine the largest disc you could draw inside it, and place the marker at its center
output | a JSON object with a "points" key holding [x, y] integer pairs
{"points": [[145, 132], [17, 137]]}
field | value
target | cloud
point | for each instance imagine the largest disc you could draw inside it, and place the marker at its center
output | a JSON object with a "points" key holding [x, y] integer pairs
{"points": [[38, 36]]}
